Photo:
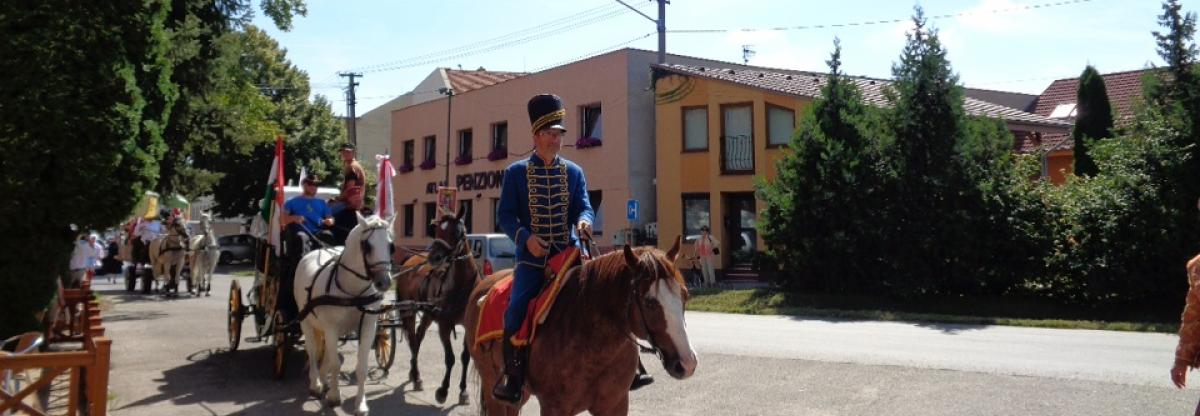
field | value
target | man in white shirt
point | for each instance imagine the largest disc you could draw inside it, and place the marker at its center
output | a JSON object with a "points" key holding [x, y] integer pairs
{"points": [[81, 261]]}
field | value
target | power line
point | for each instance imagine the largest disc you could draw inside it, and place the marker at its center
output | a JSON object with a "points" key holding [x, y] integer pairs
{"points": [[595, 52], [882, 22], [549, 26], [481, 48]]}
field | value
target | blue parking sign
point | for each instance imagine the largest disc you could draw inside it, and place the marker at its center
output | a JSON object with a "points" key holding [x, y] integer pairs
{"points": [[631, 209]]}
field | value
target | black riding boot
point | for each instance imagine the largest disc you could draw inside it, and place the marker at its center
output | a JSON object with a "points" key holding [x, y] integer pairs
{"points": [[509, 388], [642, 379]]}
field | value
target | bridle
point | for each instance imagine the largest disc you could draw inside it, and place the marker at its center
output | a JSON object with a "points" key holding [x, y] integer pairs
{"points": [[636, 298], [440, 269]]}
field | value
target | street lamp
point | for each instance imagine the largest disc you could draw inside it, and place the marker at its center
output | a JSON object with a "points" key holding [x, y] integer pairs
{"points": [[449, 93]]}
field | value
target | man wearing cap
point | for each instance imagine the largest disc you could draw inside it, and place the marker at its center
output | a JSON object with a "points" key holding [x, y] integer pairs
{"points": [[544, 208], [305, 217], [351, 170]]}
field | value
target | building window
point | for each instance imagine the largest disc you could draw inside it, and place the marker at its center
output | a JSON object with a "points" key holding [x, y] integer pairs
{"points": [[737, 138], [495, 219], [592, 132], [430, 217], [408, 219], [695, 128], [499, 141], [781, 122], [430, 160], [410, 150], [695, 213], [464, 147], [464, 205]]}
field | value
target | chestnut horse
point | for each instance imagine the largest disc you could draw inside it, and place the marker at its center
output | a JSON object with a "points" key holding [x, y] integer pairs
{"points": [[584, 356], [443, 277]]}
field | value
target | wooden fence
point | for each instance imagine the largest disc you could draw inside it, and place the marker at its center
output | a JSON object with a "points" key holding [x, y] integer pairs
{"points": [[75, 346]]}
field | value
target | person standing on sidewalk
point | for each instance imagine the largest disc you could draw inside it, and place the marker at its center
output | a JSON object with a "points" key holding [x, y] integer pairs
{"points": [[706, 251]]}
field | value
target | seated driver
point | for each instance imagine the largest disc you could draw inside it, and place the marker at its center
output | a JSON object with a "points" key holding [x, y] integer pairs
{"points": [[305, 219]]}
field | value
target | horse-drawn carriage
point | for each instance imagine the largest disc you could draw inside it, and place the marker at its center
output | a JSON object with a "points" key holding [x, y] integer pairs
{"points": [[163, 262], [276, 320]]}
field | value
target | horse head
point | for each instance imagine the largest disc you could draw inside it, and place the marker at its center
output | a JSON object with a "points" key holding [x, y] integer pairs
{"points": [[371, 240], [659, 296], [449, 248]]}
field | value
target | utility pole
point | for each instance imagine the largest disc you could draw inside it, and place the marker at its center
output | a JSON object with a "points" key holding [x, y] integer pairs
{"points": [[661, 23], [350, 101]]}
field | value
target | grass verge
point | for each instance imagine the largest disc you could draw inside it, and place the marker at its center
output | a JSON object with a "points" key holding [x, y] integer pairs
{"points": [[1009, 312]]}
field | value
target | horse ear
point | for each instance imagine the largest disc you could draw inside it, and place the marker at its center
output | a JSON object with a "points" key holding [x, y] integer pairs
{"points": [[630, 259], [460, 215], [361, 220], [675, 248]]}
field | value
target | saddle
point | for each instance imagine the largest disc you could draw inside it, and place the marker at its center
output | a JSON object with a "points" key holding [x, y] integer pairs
{"points": [[490, 325]]}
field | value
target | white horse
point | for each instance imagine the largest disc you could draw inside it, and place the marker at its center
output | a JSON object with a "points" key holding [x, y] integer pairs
{"points": [[168, 255], [205, 253], [359, 273]]}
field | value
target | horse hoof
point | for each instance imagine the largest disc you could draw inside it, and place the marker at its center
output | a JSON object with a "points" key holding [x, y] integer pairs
{"points": [[361, 413], [464, 398], [417, 386], [440, 395], [334, 402]]}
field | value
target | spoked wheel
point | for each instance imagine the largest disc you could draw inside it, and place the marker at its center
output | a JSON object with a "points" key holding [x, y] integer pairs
{"points": [[283, 343], [385, 347], [236, 314], [131, 278], [187, 274]]}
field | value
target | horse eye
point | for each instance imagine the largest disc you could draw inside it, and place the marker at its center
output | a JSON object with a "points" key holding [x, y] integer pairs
{"points": [[651, 302]]}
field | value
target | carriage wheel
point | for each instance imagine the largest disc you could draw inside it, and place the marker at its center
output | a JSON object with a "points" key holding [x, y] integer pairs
{"points": [[385, 347], [283, 344], [187, 274], [147, 279], [235, 315], [131, 278]]}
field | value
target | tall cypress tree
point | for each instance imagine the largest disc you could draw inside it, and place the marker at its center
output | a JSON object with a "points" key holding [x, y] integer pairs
{"points": [[817, 204], [1094, 118]]}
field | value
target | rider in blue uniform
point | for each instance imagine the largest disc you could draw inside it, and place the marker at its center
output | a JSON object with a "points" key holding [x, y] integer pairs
{"points": [[544, 208]]}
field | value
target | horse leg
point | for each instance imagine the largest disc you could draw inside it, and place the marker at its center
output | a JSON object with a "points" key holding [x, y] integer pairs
{"points": [[444, 330], [366, 336], [330, 365], [463, 398], [312, 347], [414, 345]]}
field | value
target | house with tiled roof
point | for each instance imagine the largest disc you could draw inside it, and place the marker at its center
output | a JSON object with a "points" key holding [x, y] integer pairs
{"points": [[719, 127], [375, 126], [1057, 102]]}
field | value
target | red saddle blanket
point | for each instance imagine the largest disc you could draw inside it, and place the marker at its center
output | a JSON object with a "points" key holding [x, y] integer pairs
{"points": [[490, 325]]}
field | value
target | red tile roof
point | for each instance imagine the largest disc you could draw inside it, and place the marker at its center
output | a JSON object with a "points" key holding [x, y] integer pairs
{"points": [[1124, 89], [462, 81], [809, 85]]}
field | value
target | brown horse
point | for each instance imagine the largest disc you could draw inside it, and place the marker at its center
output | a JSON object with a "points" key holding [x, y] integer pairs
{"points": [[584, 356], [444, 277]]}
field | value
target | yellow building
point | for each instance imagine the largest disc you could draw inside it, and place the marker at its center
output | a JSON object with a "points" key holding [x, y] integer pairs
{"points": [[718, 129]]}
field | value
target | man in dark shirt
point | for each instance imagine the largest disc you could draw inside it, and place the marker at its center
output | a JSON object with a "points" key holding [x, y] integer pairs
{"points": [[345, 219]]}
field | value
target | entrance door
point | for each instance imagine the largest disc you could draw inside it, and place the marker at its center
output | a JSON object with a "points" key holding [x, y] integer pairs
{"points": [[740, 235]]}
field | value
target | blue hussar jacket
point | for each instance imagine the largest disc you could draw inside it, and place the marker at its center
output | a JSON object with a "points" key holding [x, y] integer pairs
{"points": [[542, 199]]}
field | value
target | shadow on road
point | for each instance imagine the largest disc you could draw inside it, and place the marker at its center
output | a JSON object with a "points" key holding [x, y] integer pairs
{"points": [[243, 378]]}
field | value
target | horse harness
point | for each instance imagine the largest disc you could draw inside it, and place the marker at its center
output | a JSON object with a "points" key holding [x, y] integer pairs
{"points": [[359, 301]]}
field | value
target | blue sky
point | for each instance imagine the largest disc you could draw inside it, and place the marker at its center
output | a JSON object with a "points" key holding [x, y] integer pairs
{"points": [[997, 44]]}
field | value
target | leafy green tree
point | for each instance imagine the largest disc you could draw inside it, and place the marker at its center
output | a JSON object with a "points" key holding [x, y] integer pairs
{"points": [[86, 94], [311, 132], [1094, 120], [818, 205]]}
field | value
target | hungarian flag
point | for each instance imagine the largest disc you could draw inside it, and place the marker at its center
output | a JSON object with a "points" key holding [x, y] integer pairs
{"points": [[272, 202], [383, 193]]}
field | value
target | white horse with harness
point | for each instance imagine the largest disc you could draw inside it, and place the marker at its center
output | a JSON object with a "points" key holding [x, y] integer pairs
{"points": [[340, 290], [205, 253]]}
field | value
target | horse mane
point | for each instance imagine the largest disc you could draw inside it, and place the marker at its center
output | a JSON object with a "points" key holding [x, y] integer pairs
{"points": [[603, 285]]}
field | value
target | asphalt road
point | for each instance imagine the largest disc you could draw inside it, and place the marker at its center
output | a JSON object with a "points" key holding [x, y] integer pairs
{"points": [[170, 358]]}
